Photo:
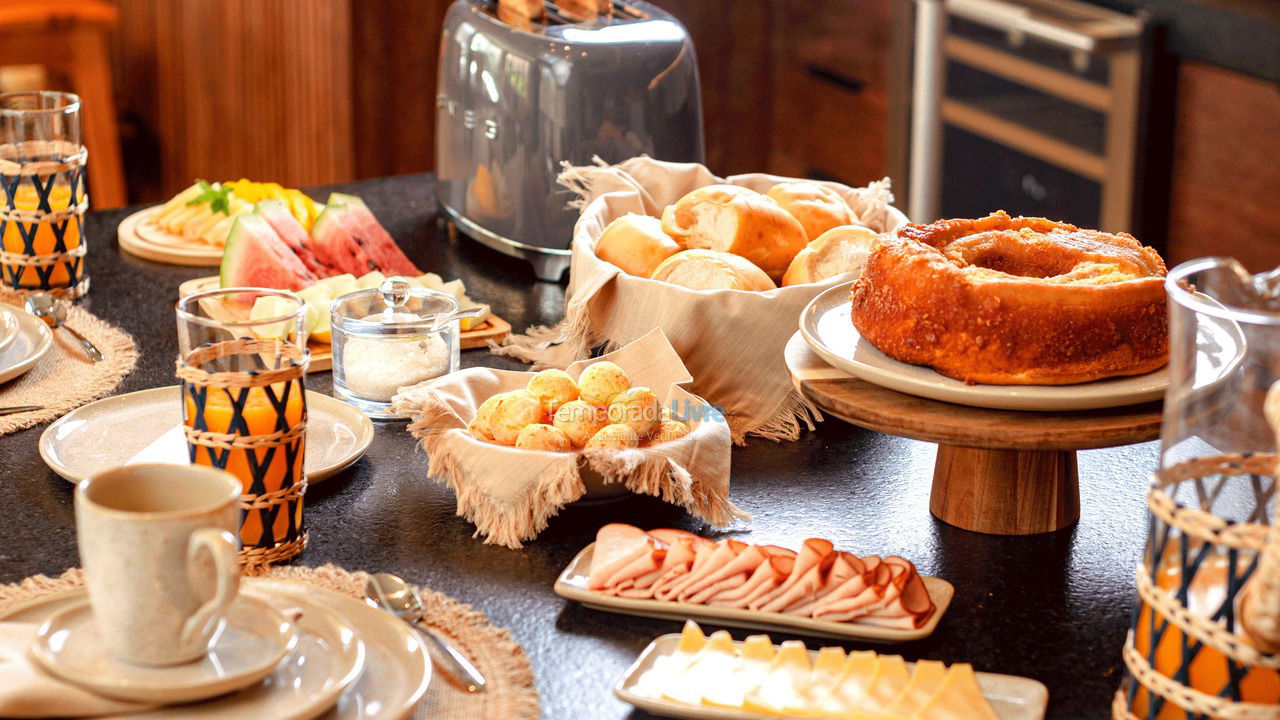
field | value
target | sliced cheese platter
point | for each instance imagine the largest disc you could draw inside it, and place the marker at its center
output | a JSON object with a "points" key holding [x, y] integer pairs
{"points": [[672, 677]]}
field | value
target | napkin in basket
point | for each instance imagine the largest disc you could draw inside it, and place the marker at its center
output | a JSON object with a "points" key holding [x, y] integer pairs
{"points": [[26, 691], [731, 340], [510, 494]]}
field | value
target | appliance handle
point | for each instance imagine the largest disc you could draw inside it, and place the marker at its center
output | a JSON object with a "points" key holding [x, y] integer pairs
{"points": [[1020, 20]]}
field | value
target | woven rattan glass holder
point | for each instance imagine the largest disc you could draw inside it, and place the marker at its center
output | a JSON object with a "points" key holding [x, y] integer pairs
{"points": [[244, 409], [1187, 655]]}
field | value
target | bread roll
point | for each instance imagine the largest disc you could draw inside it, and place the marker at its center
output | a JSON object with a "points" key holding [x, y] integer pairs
{"points": [[711, 270], [636, 244], [733, 219], [817, 207], [584, 10], [837, 251]]}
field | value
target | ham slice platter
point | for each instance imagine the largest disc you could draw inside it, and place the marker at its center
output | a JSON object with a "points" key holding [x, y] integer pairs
{"points": [[691, 675], [816, 589]]}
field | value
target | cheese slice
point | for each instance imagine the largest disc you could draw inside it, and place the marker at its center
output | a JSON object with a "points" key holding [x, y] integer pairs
{"points": [[959, 698], [926, 681], [714, 664], [782, 692], [887, 683], [756, 660], [851, 689], [827, 670], [667, 670]]}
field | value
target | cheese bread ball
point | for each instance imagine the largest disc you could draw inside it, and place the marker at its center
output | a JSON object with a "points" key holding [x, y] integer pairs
{"points": [[513, 411], [553, 388], [540, 436], [614, 437], [670, 430], [480, 425], [579, 420], [638, 408], [600, 381]]}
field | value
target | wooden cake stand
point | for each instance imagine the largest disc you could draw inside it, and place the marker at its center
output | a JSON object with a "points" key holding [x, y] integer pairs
{"points": [[1001, 472]]}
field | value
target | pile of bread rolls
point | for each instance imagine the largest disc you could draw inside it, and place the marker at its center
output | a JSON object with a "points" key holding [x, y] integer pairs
{"points": [[727, 237], [601, 411]]}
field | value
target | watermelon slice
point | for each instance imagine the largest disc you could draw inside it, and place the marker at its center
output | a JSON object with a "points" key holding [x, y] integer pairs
{"points": [[348, 237], [255, 256], [294, 235]]}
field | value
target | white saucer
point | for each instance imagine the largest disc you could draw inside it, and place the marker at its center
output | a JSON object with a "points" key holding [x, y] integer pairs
{"points": [[146, 426], [30, 342], [253, 641], [827, 326]]}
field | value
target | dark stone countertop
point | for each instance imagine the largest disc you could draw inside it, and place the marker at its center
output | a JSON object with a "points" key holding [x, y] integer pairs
{"points": [[1053, 607]]}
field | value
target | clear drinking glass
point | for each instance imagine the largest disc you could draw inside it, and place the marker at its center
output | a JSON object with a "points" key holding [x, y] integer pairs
{"points": [[244, 406], [1189, 655], [42, 193], [388, 338]]}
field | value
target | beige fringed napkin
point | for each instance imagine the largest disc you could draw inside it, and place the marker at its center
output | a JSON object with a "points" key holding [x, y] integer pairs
{"points": [[510, 693], [731, 340], [510, 494], [64, 379]]}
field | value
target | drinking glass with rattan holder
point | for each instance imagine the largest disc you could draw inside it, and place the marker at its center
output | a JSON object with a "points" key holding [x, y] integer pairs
{"points": [[1205, 638], [242, 360], [42, 194]]}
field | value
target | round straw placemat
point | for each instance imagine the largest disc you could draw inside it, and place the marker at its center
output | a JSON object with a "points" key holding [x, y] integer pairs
{"points": [[510, 694], [64, 379]]}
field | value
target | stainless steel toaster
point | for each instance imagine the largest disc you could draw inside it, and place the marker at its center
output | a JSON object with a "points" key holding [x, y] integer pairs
{"points": [[514, 103]]}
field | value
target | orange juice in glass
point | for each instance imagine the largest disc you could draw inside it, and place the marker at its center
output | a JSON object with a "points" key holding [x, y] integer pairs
{"points": [[244, 406], [42, 193]]}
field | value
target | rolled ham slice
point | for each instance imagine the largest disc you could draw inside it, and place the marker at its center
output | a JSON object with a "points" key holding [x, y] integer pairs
{"points": [[619, 546], [722, 555], [747, 559], [772, 573], [676, 562], [845, 566], [811, 554]]}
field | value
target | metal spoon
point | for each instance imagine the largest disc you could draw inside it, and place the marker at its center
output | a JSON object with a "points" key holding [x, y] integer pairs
{"points": [[392, 594], [54, 314]]}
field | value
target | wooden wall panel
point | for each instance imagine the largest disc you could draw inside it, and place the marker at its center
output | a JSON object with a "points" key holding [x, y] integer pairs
{"points": [[235, 88], [395, 50], [1226, 181], [734, 42]]}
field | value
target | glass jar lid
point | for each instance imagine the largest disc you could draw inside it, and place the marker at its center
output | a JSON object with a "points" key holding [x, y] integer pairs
{"points": [[393, 308]]}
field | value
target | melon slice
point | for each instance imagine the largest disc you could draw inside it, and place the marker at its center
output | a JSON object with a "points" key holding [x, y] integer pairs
{"points": [[255, 256], [282, 220], [348, 237]]}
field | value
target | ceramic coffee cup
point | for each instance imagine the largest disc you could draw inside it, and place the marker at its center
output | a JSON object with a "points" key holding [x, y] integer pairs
{"points": [[160, 553]]}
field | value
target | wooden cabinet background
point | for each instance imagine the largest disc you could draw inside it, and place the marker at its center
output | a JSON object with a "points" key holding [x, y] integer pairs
{"points": [[308, 92]]}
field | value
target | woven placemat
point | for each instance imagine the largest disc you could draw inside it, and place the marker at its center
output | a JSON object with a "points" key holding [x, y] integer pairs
{"points": [[510, 694], [64, 379]]}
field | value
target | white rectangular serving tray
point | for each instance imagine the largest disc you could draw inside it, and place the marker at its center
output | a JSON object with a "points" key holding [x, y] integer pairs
{"points": [[572, 584], [1011, 696]]}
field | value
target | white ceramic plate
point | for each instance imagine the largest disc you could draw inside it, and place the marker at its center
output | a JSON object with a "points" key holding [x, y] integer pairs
{"points": [[139, 237], [374, 665], [572, 584], [31, 341], [8, 327], [827, 327], [255, 639], [397, 666], [1012, 697], [145, 426]]}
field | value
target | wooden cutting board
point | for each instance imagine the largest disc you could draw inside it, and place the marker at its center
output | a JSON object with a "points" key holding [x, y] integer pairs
{"points": [[495, 329]]}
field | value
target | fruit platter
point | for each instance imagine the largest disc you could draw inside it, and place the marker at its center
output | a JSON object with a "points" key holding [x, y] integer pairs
{"points": [[346, 249]]}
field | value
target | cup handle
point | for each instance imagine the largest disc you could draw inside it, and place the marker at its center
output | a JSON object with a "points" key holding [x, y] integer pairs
{"points": [[223, 547]]}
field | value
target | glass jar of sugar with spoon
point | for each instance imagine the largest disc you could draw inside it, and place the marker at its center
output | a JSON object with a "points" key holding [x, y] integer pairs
{"points": [[391, 337]]}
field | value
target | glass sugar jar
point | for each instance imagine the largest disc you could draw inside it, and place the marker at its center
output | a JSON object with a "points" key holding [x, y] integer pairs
{"points": [[391, 337]]}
